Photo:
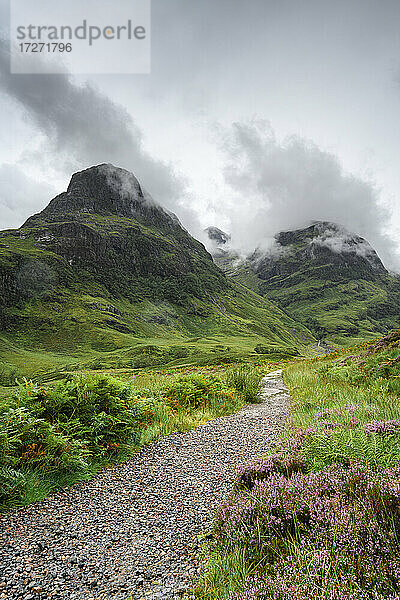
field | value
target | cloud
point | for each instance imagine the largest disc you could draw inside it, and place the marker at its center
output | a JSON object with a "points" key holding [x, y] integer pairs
{"points": [[81, 127], [20, 195], [286, 185], [340, 241]]}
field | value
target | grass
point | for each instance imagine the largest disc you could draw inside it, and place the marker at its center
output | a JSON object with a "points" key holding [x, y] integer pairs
{"points": [[73, 331], [345, 312], [134, 354], [227, 573], [56, 435], [320, 515]]}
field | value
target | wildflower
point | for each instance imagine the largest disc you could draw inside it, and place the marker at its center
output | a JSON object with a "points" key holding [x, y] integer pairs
{"points": [[383, 428]]}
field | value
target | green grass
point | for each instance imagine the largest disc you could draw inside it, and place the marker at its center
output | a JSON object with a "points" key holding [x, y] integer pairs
{"points": [[122, 351], [344, 312], [348, 408], [226, 573]]}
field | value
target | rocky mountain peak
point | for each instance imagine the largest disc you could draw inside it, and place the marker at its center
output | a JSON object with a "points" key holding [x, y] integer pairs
{"points": [[219, 243], [105, 182], [314, 230], [322, 245], [217, 236], [106, 190]]}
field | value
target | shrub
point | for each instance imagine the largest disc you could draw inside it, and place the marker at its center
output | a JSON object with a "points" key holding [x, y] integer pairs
{"points": [[262, 468], [95, 409], [350, 442], [383, 428], [261, 349], [26, 441], [53, 435], [8, 374], [177, 352], [196, 391], [80, 396]]}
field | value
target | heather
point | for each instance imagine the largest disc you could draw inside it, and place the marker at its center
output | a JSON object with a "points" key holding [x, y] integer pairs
{"points": [[319, 515], [345, 521], [55, 435]]}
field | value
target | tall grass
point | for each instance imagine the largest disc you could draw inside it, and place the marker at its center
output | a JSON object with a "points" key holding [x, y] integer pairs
{"points": [[339, 416], [246, 380], [227, 572]]}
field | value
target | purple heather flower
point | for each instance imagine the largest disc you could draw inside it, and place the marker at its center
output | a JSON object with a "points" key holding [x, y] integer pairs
{"points": [[345, 522], [383, 428]]}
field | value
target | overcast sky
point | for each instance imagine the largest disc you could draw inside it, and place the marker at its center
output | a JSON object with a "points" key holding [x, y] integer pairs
{"points": [[258, 115]]}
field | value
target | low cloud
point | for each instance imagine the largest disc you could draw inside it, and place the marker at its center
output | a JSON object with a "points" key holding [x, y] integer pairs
{"points": [[286, 185], [340, 241]]}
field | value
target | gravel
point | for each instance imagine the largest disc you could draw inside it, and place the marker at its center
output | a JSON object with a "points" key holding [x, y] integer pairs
{"points": [[132, 531]]}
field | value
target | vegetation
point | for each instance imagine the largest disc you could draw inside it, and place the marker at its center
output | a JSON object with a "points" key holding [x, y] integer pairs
{"points": [[346, 312], [344, 296], [97, 280], [55, 435], [117, 327], [132, 354], [320, 516]]}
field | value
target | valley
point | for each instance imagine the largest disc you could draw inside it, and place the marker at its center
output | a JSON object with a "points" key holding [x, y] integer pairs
{"points": [[156, 395], [106, 277]]}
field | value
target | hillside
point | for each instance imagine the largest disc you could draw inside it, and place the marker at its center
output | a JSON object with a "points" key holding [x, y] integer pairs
{"points": [[105, 276], [325, 277]]}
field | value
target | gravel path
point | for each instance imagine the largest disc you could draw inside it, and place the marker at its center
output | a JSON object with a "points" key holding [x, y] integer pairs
{"points": [[131, 531]]}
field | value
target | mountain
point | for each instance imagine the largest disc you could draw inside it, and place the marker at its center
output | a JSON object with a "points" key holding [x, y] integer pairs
{"points": [[325, 248], [105, 275], [106, 231], [327, 278], [218, 237]]}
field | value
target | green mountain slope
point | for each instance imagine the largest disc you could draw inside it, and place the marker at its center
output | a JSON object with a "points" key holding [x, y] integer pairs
{"points": [[331, 281], [106, 276]]}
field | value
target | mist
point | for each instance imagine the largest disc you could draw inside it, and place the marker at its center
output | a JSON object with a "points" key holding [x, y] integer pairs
{"points": [[284, 185]]}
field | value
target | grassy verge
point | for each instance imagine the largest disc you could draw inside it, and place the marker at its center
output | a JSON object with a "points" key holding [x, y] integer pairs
{"points": [[320, 516], [59, 434]]}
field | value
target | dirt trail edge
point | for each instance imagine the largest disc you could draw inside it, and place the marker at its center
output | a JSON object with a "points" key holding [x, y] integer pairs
{"points": [[131, 531]]}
